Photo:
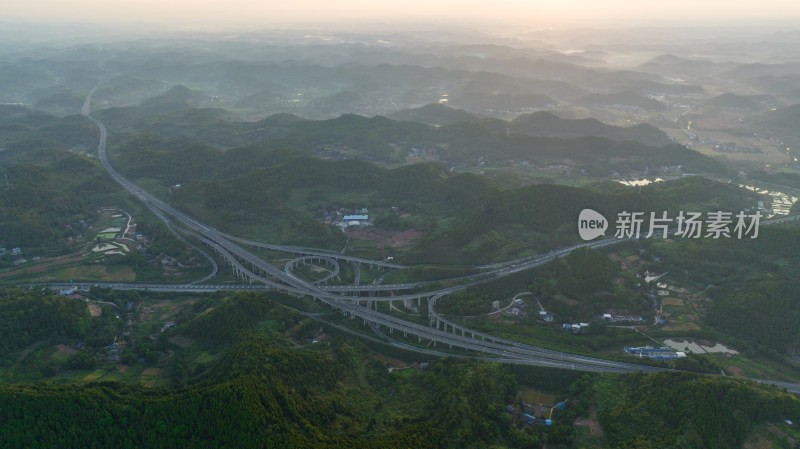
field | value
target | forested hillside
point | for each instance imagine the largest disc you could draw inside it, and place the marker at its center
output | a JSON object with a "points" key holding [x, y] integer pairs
{"points": [[540, 139], [43, 198], [265, 393], [753, 284], [532, 219]]}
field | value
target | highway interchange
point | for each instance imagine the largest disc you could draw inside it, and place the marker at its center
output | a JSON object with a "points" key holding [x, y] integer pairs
{"points": [[261, 275]]}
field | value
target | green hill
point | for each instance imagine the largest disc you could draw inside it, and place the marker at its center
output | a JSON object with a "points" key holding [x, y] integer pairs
{"points": [[24, 130], [263, 390], [283, 200], [529, 220], [783, 123], [176, 98], [545, 124], [42, 200], [625, 99], [434, 114], [733, 101], [541, 139], [500, 102]]}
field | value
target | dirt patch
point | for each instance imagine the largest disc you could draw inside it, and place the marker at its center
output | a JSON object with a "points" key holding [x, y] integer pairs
{"points": [[567, 301], [595, 429], [94, 309], [43, 264], [734, 370], [385, 238], [170, 353], [99, 272], [536, 397], [37, 269], [758, 442], [671, 301], [687, 326], [781, 435], [64, 349], [122, 368], [181, 340], [151, 372], [394, 363]]}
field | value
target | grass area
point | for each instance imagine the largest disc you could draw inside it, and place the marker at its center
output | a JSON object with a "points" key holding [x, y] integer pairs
{"points": [[206, 358], [774, 435], [759, 367], [427, 273], [535, 397], [551, 337], [312, 273], [94, 375], [366, 249], [368, 275], [74, 272]]}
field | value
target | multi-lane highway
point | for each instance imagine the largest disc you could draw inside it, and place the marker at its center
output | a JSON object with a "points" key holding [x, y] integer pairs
{"points": [[267, 276]]}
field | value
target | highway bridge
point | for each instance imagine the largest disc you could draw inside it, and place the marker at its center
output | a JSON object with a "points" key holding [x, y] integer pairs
{"points": [[333, 263], [261, 275]]}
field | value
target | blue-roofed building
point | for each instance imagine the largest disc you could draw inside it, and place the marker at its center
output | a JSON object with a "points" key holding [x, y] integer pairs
{"points": [[529, 419], [655, 353]]}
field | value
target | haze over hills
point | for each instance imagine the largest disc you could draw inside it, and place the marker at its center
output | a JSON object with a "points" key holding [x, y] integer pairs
{"points": [[545, 124], [434, 114], [373, 236]]}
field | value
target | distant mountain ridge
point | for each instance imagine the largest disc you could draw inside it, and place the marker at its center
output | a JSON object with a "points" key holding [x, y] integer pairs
{"points": [[546, 124], [626, 98], [729, 100], [538, 124], [434, 114]]}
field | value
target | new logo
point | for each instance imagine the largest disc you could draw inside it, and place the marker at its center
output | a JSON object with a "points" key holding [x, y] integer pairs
{"points": [[591, 224]]}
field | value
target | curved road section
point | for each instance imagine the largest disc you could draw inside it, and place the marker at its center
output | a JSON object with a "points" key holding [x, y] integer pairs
{"points": [[255, 269]]}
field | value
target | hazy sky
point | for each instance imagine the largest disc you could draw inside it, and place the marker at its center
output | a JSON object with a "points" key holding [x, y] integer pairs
{"points": [[533, 13]]}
